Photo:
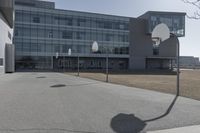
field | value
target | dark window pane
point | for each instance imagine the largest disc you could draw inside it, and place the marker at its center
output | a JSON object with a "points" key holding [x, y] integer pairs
{"points": [[36, 20], [156, 51], [1, 61], [67, 34]]}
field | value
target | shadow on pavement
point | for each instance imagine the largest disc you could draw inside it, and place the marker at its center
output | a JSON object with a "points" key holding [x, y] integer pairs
{"points": [[41, 77], [58, 85], [129, 123], [63, 85]]}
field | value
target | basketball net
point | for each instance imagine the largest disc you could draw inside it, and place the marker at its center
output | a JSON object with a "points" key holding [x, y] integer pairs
{"points": [[156, 41]]}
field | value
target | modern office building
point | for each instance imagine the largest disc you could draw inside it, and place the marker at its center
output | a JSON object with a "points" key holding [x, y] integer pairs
{"points": [[6, 46], [43, 35]]}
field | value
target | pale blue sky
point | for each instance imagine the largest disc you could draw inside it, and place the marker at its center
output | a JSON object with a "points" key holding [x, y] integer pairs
{"points": [[190, 45]]}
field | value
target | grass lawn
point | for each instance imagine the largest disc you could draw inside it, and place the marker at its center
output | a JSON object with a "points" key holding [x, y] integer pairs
{"points": [[189, 81]]}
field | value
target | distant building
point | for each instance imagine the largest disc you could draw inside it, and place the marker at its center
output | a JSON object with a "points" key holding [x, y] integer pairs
{"points": [[189, 62], [197, 61], [41, 31], [6, 37]]}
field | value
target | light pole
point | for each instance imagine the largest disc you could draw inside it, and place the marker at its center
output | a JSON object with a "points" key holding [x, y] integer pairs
{"points": [[69, 52], [78, 73], [106, 65], [63, 63], [178, 65], [161, 33], [57, 55], [95, 49]]}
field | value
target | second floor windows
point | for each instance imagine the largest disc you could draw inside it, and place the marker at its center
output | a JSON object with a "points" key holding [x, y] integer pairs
{"points": [[36, 20], [67, 34]]}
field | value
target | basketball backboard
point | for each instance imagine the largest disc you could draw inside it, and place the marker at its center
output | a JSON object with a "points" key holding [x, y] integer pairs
{"points": [[160, 33], [95, 47], [69, 51]]}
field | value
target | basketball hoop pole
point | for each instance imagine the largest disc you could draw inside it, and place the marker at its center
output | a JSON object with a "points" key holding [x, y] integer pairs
{"points": [[178, 65], [157, 40], [161, 33]]}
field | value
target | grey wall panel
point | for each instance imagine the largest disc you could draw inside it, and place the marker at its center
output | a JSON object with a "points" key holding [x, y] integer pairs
{"points": [[141, 45], [137, 63], [168, 48], [7, 8], [9, 58]]}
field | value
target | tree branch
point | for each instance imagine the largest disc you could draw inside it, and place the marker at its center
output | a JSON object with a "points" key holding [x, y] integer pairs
{"points": [[195, 3]]}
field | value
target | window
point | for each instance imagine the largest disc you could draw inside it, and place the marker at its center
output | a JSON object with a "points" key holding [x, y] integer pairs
{"points": [[167, 21], [67, 34], [18, 16], [107, 25], [122, 38], [69, 21], [16, 32], [1, 61], [91, 63], [50, 34], [100, 64], [56, 20], [81, 22], [174, 22], [9, 35], [109, 37], [121, 26], [34, 47], [57, 48], [155, 50], [116, 26], [100, 24], [80, 35], [36, 20]]}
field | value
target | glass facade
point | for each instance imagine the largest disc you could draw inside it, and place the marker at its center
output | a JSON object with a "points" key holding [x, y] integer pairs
{"points": [[175, 22], [44, 32]]}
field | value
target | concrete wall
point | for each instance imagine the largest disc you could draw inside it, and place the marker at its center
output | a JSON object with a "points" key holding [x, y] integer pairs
{"points": [[141, 45], [4, 39], [6, 8]]}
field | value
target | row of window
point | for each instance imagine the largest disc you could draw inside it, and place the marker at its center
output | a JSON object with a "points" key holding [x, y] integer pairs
{"points": [[67, 34], [39, 62], [43, 18], [35, 47], [175, 23]]}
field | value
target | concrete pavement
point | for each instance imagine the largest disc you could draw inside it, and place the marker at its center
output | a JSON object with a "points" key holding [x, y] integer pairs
{"points": [[190, 129], [58, 103]]}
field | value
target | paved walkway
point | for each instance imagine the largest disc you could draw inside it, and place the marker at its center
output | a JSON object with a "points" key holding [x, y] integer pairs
{"points": [[190, 129], [58, 103]]}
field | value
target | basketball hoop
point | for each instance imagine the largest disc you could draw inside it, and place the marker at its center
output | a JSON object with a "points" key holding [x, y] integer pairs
{"points": [[160, 33]]}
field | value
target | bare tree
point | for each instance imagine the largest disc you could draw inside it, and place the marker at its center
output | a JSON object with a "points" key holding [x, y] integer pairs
{"points": [[196, 4]]}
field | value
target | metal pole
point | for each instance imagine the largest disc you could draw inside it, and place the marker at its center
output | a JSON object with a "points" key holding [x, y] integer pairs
{"points": [[178, 67], [63, 63], [52, 63], [78, 66], [107, 68], [107, 65]]}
